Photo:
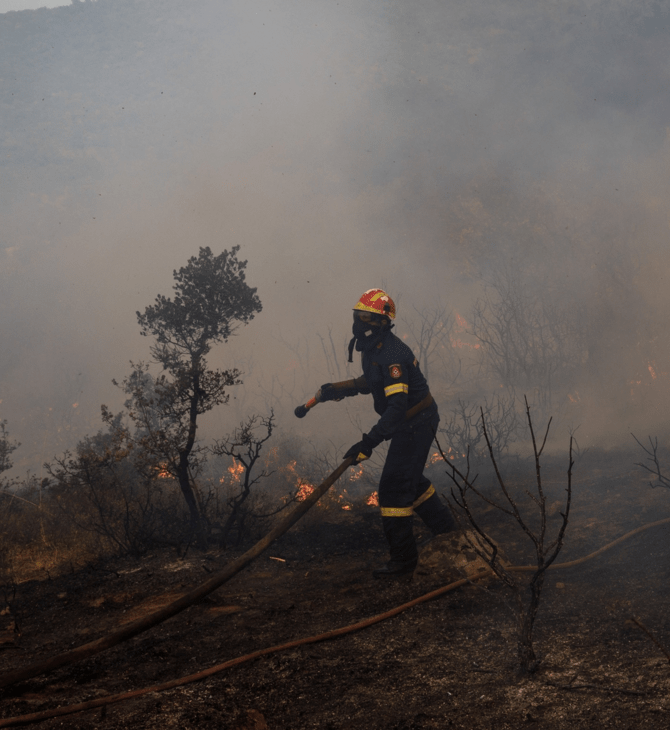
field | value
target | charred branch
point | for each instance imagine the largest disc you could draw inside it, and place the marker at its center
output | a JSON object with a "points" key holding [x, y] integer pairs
{"points": [[652, 456], [244, 447]]}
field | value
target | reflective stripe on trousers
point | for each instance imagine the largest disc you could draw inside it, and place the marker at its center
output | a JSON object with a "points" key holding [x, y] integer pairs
{"points": [[408, 511]]}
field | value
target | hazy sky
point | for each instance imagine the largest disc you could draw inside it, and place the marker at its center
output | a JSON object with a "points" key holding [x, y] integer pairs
{"points": [[7, 5], [420, 146]]}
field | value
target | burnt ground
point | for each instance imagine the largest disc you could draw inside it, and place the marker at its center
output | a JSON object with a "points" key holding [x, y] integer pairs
{"points": [[447, 663]]}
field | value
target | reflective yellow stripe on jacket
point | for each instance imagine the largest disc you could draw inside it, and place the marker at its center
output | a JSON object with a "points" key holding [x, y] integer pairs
{"points": [[396, 388]]}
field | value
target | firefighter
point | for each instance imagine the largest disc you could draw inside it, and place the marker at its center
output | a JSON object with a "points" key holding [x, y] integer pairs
{"points": [[408, 418]]}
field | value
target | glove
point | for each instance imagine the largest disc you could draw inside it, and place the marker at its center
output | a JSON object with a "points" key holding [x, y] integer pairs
{"points": [[327, 392], [361, 450]]}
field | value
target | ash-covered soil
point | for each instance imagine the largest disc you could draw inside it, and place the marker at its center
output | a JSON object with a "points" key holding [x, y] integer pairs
{"points": [[446, 663]]}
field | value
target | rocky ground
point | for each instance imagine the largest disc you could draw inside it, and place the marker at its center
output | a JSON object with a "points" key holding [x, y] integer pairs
{"points": [[446, 663]]}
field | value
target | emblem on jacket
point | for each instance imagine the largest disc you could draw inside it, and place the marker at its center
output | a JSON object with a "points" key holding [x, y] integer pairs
{"points": [[395, 371]]}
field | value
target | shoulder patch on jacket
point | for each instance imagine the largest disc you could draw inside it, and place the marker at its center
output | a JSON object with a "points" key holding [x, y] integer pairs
{"points": [[395, 371]]}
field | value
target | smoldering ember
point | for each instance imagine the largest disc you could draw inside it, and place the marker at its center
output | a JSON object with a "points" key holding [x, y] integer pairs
{"points": [[217, 509]]}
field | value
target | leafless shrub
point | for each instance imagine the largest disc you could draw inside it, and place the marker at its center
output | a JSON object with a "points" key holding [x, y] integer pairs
{"points": [[528, 339], [430, 334], [464, 428], [652, 457], [244, 447], [528, 599]]}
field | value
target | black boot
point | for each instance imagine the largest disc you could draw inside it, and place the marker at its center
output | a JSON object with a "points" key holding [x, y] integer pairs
{"points": [[395, 569], [404, 555]]}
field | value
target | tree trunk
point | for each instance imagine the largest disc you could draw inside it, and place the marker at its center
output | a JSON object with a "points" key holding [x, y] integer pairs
{"points": [[198, 531], [528, 662]]}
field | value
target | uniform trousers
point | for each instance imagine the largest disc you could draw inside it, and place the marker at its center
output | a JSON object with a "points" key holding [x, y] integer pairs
{"points": [[404, 490]]}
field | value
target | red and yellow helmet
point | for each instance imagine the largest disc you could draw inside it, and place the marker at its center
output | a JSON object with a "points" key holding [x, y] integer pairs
{"points": [[376, 301]]}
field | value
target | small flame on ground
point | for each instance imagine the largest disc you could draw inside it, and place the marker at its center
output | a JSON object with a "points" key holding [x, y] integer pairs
{"points": [[461, 327], [304, 490], [373, 500], [461, 344]]}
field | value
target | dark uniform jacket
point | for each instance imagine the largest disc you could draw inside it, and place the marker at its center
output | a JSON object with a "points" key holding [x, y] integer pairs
{"points": [[393, 376]]}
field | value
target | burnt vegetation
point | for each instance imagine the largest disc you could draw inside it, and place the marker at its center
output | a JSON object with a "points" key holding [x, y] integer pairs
{"points": [[147, 491], [527, 598], [135, 513]]}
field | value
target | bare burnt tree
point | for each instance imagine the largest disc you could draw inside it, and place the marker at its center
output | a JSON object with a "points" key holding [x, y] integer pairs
{"points": [[431, 329], [290, 386], [331, 356], [244, 446], [529, 339], [464, 428], [527, 598], [652, 457]]}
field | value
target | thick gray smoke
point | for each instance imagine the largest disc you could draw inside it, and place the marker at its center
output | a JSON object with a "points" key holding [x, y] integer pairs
{"points": [[436, 149]]}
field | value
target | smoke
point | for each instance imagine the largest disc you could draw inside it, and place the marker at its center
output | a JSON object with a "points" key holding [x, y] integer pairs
{"points": [[426, 148]]}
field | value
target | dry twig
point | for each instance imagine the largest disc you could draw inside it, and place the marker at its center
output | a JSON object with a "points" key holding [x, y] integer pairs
{"points": [[639, 623], [652, 456], [600, 687]]}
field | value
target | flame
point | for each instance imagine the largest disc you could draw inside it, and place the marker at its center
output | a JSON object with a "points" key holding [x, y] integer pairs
{"points": [[461, 344], [235, 470], [461, 324], [373, 500], [354, 475], [461, 327], [652, 371], [435, 457], [574, 398], [304, 490], [163, 472]]}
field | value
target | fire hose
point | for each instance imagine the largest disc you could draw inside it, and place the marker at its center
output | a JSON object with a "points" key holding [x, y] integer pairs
{"points": [[172, 609], [333, 634], [217, 580]]}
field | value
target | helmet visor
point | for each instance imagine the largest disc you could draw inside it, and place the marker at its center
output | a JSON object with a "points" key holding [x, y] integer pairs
{"points": [[364, 316]]}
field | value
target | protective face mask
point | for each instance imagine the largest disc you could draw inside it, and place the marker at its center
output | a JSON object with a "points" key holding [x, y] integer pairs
{"points": [[363, 331]]}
